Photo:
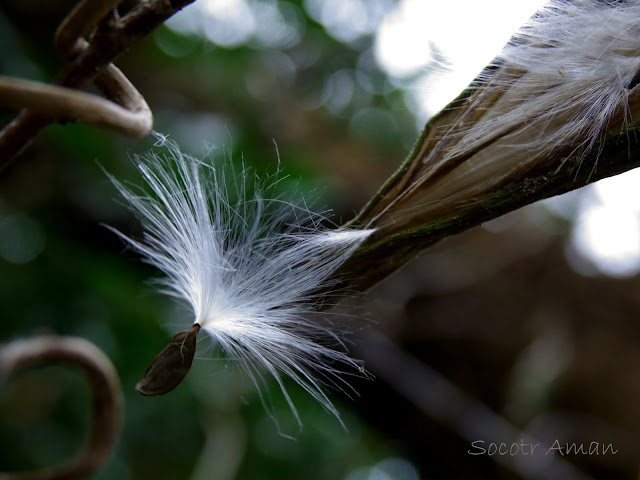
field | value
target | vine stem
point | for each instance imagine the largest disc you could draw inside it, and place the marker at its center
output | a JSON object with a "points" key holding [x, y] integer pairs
{"points": [[107, 405], [89, 61]]}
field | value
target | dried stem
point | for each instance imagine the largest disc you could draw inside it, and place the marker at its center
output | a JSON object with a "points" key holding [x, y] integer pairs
{"points": [[92, 61], [66, 103], [404, 230], [82, 18], [107, 409]]}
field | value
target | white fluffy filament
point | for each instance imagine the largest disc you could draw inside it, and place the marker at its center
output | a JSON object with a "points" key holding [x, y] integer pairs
{"points": [[577, 60], [556, 90], [249, 267]]}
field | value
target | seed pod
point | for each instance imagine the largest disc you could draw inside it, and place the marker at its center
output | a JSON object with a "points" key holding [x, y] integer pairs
{"points": [[171, 365]]}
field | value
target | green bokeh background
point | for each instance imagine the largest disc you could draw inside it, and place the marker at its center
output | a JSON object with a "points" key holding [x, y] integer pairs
{"points": [[64, 272], [498, 311]]}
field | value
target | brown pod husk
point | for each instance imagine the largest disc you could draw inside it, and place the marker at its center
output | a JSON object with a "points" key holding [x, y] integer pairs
{"points": [[171, 365]]}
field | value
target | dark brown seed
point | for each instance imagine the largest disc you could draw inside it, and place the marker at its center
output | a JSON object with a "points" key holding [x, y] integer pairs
{"points": [[171, 365]]}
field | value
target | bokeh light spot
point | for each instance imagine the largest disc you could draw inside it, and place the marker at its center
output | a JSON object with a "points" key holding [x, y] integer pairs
{"points": [[22, 239]]}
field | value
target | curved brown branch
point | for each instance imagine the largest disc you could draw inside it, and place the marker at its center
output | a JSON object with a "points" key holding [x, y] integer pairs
{"points": [[69, 104], [106, 416], [113, 38], [82, 18]]}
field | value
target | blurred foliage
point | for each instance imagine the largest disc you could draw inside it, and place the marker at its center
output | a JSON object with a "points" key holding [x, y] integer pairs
{"points": [[61, 270], [498, 311]]}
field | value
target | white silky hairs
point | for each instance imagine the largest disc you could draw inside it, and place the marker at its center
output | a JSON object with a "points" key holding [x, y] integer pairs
{"points": [[560, 85], [250, 266], [578, 59]]}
